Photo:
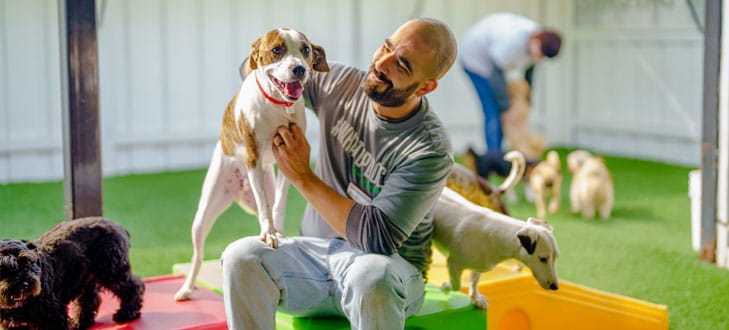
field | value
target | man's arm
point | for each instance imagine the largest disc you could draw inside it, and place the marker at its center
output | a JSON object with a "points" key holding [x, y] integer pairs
{"points": [[293, 161]]}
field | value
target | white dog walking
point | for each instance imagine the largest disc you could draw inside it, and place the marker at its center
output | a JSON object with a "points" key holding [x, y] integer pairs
{"points": [[241, 169], [477, 238]]}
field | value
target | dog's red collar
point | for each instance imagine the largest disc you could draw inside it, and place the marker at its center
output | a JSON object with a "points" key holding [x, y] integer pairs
{"points": [[271, 99]]}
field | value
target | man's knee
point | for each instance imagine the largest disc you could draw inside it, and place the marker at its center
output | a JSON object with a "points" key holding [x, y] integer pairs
{"points": [[374, 274], [242, 252]]}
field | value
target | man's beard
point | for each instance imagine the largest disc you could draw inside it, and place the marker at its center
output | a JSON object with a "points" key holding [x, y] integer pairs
{"points": [[390, 96]]}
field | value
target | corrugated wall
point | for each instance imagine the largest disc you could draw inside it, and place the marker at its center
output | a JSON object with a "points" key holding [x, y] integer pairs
{"points": [[169, 67]]}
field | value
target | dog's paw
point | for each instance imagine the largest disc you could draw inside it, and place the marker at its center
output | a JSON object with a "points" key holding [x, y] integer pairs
{"points": [[124, 316], [183, 294], [553, 208], [480, 301], [446, 287], [271, 239], [86, 323]]}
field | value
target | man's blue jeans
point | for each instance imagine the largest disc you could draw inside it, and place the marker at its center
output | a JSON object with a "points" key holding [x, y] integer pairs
{"points": [[494, 100], [309, 276]]}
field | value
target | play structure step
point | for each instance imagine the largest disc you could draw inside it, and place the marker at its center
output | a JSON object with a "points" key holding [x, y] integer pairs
{"points": [[161, 311], [439, 311]]}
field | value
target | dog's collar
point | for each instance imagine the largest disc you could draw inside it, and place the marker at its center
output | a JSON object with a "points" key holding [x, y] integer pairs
{"points": [[270, 98]]}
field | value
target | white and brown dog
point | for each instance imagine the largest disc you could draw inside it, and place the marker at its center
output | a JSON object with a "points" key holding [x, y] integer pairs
{"points": [[591, 189], [241, 169], [477, 238], [545, 181]]}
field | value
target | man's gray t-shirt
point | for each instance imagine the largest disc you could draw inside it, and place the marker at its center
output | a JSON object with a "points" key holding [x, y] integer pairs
{"points": [[394, 170]]}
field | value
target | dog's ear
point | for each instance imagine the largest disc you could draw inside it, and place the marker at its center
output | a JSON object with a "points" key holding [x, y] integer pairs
{"points": [[244, 70], [528, 238], [253, 57], [29, 244], [319, 59], [540, 222]]}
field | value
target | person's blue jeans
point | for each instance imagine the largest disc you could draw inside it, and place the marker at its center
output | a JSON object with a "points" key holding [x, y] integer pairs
{"points": [[494, 100], [309, 276]]}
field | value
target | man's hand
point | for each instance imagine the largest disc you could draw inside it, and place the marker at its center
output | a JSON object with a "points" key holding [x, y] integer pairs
{"points": [[292, 152]]}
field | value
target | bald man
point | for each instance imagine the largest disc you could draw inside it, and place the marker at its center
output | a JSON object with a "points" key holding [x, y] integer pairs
{"points": [[366, 232]]}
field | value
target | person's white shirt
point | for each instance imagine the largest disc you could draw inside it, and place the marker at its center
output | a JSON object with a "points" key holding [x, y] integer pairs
{"points": [[501, 40]]}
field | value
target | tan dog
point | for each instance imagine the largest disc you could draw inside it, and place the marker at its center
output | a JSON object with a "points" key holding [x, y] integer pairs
{"points": [[476, 189], [591, 189], [515, 121], [477, 238], [241, 169], [545, 181]]}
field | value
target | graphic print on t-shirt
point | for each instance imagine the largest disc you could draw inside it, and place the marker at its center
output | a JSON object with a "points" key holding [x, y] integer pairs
{"points": [[365, 169]]}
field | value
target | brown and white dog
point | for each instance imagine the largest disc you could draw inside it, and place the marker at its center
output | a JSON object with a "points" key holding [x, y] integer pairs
{"points": [[241, 169], [476, 189], [545, 181], [591, 189], [477, 238]]}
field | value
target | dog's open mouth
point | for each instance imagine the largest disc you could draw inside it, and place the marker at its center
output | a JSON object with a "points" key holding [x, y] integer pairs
{"points": [[14, 301], [19, 296], [292, 90]]}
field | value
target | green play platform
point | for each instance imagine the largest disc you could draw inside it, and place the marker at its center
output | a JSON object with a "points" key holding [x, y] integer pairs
{"points": [[439, 311]]}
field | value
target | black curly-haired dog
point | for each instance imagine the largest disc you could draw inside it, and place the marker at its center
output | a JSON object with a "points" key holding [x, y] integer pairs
{"points": [[69, 263]]}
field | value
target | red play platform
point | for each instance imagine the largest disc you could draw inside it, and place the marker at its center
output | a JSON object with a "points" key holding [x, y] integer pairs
{"points": [[162, 312]]}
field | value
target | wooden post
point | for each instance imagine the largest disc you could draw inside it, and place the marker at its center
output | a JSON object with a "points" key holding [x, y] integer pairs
{"points": [[80, 86], [712, 56]]}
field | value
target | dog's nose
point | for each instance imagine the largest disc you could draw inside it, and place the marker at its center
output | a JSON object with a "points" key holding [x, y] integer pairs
{"points": [[299, 71], [554, 286]]}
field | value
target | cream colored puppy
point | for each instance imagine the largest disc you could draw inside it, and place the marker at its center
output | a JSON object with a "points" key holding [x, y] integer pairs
{"points": [[477, 238], [591, 189], [545, 180]]}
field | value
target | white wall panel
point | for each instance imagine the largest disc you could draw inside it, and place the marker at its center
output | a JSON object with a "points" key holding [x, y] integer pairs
{"points": [[627, 82], [114, 80], [148, 112], [31, 122], [182, 62], [5, 175]]}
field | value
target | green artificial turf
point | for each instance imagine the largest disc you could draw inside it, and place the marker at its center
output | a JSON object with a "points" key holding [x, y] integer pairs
{"points": [[644, 251]]}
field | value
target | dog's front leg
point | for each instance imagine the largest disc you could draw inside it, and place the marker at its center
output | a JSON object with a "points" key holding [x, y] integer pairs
{"points": [[477, 298], [258, 183], [574, 197], [52, 315], [539, 202], [279, 203], [454, 273], [554, 203]]}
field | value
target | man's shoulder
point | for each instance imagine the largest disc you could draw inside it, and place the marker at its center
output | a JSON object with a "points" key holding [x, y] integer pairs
{"points": [[339, 77], [432, 142], [437, 131], [341, 71]]}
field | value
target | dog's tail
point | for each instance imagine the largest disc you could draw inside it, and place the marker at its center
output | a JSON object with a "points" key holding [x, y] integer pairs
{"points": [[518, 165]]}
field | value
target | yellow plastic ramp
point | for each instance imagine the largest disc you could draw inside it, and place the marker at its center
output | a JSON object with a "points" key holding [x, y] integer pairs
{"points": [[517, 302]]}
